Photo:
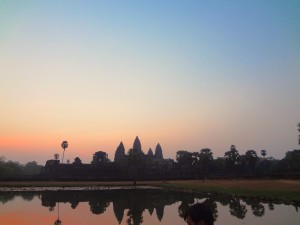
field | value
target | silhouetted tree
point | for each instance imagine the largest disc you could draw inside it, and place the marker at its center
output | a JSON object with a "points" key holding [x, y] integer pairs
{"points": [[205, 161], [56, 156], [299, 134], [263, 153], [219, 165], [232, 158], [184, 157], [249, 160], [10, 169], [292, 159], [32, 168], [185, 161], [100, 158], [77, 161], [64, 145], [135, 161]]}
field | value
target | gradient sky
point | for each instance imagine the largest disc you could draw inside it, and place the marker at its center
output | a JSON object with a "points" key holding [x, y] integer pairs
{"points": [[185, 74]]}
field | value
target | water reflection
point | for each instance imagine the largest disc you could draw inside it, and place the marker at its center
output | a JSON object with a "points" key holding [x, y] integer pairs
{"points": [[129, 205], [135, 201], [58, 221]]}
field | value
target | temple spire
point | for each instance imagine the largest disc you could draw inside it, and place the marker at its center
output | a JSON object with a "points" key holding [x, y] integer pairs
{"points": [[120, 152], [137, 144], [150, 152], [158, 152]]}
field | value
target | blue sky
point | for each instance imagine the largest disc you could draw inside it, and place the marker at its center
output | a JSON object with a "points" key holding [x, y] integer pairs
{"points": [[187, 74]]}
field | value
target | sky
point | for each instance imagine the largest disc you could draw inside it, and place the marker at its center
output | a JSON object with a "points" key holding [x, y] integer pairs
{"points": [[186, 74]]}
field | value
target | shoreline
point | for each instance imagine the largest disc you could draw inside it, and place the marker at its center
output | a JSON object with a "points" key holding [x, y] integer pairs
{"points": [[271, 189], [88, 188]]}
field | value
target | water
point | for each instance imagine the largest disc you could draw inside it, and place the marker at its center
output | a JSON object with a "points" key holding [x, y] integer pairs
{"points": [[133, 207]]}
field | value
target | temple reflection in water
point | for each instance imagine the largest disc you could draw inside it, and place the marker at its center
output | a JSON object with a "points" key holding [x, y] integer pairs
{"points": [[135, 202], [130, 204]]}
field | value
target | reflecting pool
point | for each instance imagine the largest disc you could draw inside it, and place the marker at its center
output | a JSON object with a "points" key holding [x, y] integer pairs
{"points": [[135, 206]]}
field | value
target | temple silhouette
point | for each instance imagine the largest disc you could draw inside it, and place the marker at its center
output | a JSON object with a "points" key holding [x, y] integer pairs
{"points": [[133, 165]]}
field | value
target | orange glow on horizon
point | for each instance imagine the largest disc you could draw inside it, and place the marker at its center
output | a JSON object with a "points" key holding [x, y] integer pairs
{"points": [[37, 215], [26, 142]]}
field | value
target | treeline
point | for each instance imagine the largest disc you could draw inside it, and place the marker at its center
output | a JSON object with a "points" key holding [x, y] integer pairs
{"points": [[202, 164], [135, 165], [10, 169]]}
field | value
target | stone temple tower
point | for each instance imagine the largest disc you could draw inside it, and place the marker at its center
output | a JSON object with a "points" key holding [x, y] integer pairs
{"points": [[158, 152], [120, 152], [150, 152], [137, 144]]}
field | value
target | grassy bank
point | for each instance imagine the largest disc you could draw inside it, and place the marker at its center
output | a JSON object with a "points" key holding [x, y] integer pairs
{"points": [[279, 189]]}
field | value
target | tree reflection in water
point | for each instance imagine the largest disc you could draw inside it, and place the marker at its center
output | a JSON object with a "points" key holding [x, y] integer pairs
{"points": [[136, 201], [257, 207], [135, 217], [271, 206], [237, 209], [58, 221]]}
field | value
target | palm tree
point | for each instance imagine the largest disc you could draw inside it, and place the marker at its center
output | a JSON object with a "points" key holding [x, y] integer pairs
{"points": [[263, 153], [299, 134], [64, 145], [56, 156]]}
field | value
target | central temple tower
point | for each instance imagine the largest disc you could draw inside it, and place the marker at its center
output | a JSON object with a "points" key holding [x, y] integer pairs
{"points": [[137, 144]]}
